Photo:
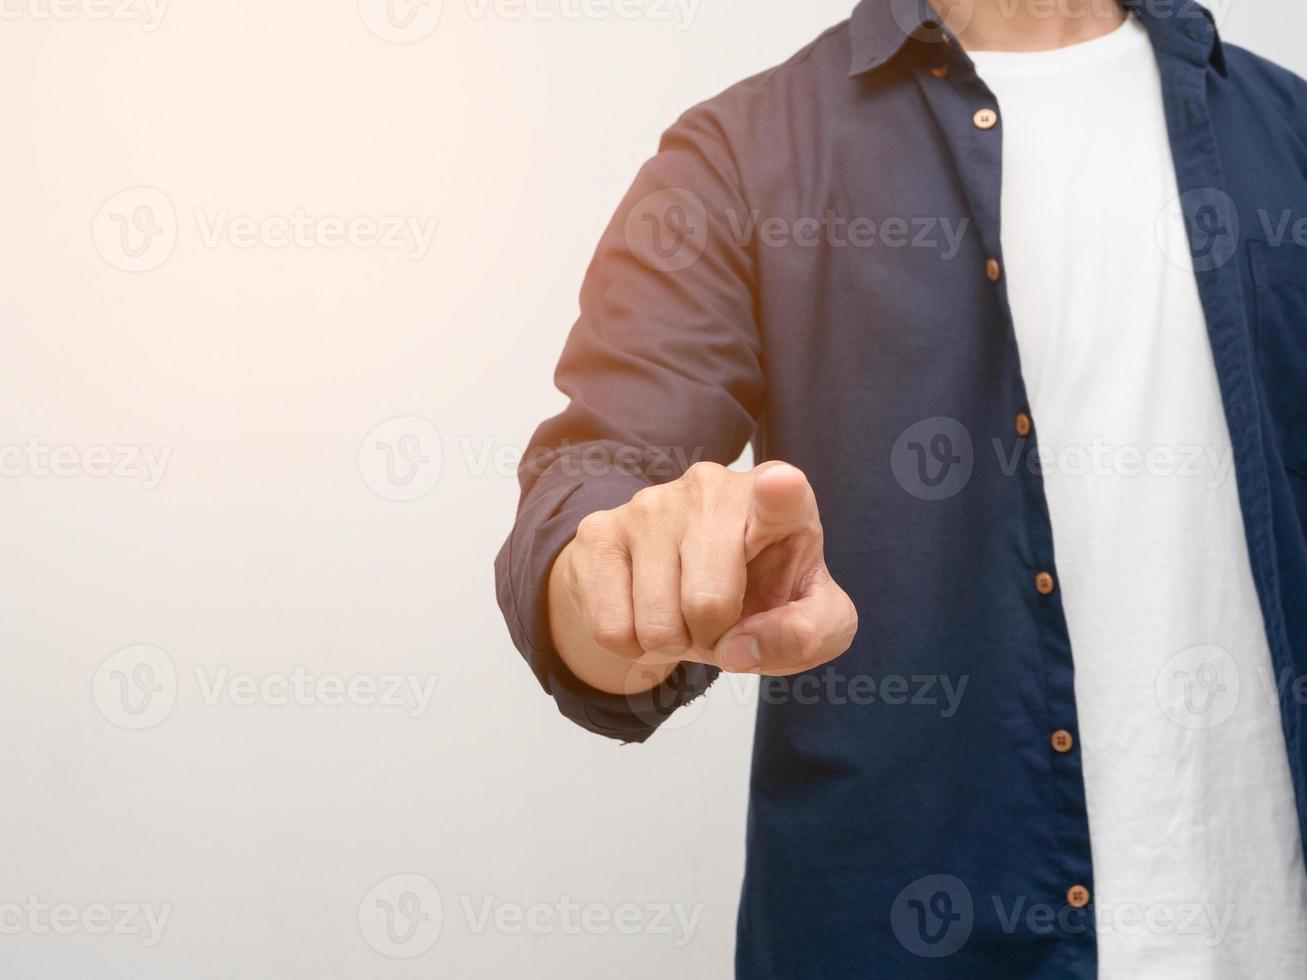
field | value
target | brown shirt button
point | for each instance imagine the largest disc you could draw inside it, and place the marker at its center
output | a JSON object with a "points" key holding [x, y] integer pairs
{"points": [[1077, 896], [1062, 741], [993, 271], [1024, 425], [940, 71], [1044, 583], [985, 119]]}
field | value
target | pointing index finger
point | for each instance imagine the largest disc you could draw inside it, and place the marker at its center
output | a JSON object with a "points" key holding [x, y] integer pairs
{"points": [[782, 503]]}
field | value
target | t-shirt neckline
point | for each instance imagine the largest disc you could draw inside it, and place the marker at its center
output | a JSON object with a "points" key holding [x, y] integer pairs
{"points": [[1058, 61]]}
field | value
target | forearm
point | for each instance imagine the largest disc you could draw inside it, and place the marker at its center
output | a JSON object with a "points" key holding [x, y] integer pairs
{"points": [[662, 369]]}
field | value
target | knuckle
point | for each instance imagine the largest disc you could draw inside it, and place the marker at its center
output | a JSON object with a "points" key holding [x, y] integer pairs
{"points": [[704, 473], [647, 502], [595, 529], [657, 510], [710, 607], [806, 638], [851, 624], [645, 497], [660, 635], [613, 633], [811, 537]]}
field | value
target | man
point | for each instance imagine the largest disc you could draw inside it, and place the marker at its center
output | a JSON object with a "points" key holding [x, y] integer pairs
{"points": [[1013, 309]]}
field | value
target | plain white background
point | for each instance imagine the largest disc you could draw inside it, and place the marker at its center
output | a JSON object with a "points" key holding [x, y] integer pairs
{"points": [[209, 591]]}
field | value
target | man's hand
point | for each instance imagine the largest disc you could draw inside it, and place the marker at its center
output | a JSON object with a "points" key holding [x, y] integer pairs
{"points": [[719, 567]]}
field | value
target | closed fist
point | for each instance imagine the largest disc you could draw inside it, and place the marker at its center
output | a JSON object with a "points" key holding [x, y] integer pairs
{"points": [[719, 567]]}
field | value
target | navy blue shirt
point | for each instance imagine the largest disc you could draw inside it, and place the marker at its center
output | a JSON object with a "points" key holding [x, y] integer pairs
{"points": [[813, 262]]}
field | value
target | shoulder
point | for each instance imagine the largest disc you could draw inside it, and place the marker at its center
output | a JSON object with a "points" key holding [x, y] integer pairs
{"points": [[1268, 86], [791, 93]]}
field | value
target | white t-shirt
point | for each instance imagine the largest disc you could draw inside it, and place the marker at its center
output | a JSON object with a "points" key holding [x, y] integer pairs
{"points": [[1198, 867]]}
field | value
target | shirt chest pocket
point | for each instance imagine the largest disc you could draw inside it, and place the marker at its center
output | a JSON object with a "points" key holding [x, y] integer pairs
{"points": [[1280, 280]]}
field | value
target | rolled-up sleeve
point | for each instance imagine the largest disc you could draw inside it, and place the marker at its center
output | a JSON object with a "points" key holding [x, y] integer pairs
{"points": [[663, 368]]}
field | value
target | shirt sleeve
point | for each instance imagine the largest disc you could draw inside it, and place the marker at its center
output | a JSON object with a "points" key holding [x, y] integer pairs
{"points": [[663, 369]]}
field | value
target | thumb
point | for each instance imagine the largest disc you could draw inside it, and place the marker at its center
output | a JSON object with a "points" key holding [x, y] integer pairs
{"points": [[797, 636], [782, 503]]}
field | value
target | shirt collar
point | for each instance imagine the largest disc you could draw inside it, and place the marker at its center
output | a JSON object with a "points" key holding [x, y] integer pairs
{"points": [[1182, 28], [879, 29]]}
